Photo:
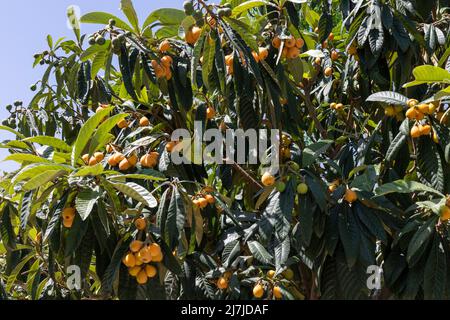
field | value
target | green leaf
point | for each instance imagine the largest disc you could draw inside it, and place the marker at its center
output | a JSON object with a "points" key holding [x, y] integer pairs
{"points": [[244, 7], [420, 238], [403, 186], [42, 178], [26, 204], [244, 32], [429, 164], [175, 219], [167, 16], [90, 171], [350, 236], [102, 135], [315, 150], [435, 277], [428, 74], [74, 21], [150, 174], [85, 202], [37, 168], [259, 252], [86, 133], [388, 97], [17, 133], [25, 157], [15, 273], [395, 146], [128, 9], [103, 18], [49, 141], [137, 192]]}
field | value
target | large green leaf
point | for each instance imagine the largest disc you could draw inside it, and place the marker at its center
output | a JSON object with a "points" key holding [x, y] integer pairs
{"points": [[259, 252], [26, 157], [34, 169], [103, 18], [388, 97], [85, 202], [86, 133], [128, 9], [429, 74], [403, 186], [137, 192], [49, 141]]}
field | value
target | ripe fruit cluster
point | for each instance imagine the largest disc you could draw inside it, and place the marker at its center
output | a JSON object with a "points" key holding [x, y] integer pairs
{"points": [[418, 111], [94, 160], [163, 68], [149, 160], [68, 216], [394, 112], [292, 46], [261, 55], [202, 200], [140, 260], [419, 130], [337, 106]]}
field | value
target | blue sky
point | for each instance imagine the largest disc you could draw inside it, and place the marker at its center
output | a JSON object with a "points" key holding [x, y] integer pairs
{"points": [[24, 26]]}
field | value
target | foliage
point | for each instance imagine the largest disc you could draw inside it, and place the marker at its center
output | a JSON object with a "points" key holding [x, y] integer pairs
{"points": [[334, 77]]}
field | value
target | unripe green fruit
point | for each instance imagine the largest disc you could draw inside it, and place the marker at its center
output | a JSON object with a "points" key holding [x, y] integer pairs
{"points": [[100, 40], [200, 23], [294, 165], [198, 15], [188, 7], [5, 122], [281, 186], [112, 22], [302, 188], [17, 103], [221, 12], [227, 12], [33, 87], [9, 107]]}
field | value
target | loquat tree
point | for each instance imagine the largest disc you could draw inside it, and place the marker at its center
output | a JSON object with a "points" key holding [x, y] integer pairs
{"points": [[358, 91]]}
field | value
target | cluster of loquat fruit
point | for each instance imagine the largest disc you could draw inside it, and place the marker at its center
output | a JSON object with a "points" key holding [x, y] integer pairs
{"points": [[261, 55], [394, 112], [162, 68], [203, 199], [350, 195], [418, 112], [291, 48], [142, 257]]}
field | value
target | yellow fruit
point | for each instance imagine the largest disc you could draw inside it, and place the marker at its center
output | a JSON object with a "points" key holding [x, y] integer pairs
{"points": [[85, 158], [68, 213], [148, 161], [134, 271], [334, 55], [412, 103], [210, 113], [271, 274], [328, 71], [423, 108], [202, 203], [155, 249], [222, 283], [331, 36], [150, 271], [445, 213], [390, 111], [411, 113], [129, 260], [140, 224], [144, 255], [318, 61], [290, 42], [167, 61], [432, 107], [425, 130], [333, 105], [122, 124], [277, 292], [299, 43], [142, 278], [193, 35], [136, 245], [263, 53], [124, 165], [268, 179], [133, 159], [210, 199], [293, 52], [93, 161], [276, 42], [435, 137], [164, 46], [170, 146], [144, 122], [68, 223], [258, 291], [109, 148], [138, 262], [415, 132], [158, 258], [350, 196], [339, 106], [302, 188], [255, 56]]}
